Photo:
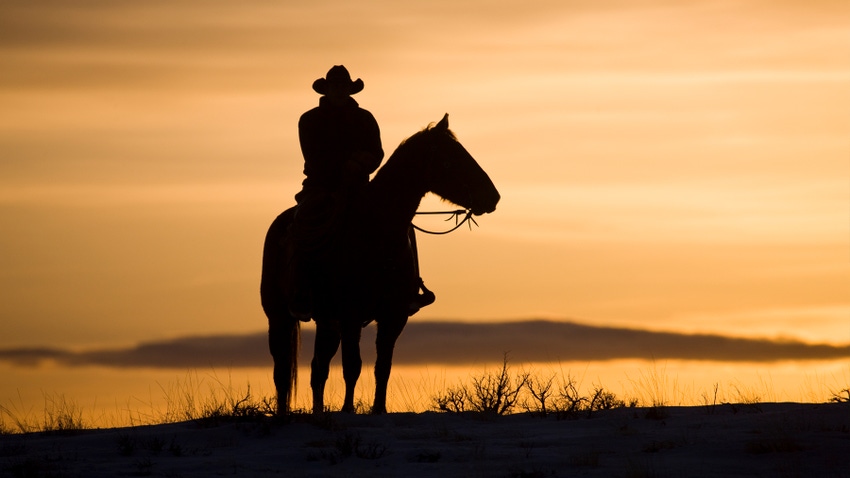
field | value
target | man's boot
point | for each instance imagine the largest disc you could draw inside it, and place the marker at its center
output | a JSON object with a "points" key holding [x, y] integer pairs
{"points": [[421, 299]]}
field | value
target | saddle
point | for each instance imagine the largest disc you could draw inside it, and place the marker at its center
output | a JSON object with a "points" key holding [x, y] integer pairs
{"points": [[313, 234]]}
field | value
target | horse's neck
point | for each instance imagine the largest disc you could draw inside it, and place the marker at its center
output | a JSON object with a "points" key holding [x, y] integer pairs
{"points": [[398, 187]]}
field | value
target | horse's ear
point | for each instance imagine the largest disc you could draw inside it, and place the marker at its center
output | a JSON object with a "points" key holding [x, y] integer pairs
{"points": [[444, 123]]}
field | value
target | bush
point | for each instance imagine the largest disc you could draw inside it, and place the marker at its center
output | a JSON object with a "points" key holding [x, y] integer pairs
{"points": [[452, 400], [491, 393], [499, 393], [841, 396], [541, 395]]}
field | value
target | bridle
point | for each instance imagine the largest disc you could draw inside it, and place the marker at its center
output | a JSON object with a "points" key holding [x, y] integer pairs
{"points": [[456, 214]]}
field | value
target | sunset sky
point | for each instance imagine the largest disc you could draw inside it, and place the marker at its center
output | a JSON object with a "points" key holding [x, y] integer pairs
{"points": [[666, 165]]}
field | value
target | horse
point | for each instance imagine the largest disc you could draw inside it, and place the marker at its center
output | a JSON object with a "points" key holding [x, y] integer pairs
{"points": [[367, 269]]}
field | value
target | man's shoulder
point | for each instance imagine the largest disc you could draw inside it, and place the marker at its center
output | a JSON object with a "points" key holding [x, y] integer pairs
{"points": [[312, 112], [310, 116], [319, 113], [364, 114]]}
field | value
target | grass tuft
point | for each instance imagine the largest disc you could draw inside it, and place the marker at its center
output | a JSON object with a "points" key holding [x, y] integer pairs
{"points": [[60, 415], [187, 401]]}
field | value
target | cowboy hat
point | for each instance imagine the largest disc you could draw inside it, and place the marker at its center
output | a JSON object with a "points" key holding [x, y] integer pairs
{"points": [[338, 75]]}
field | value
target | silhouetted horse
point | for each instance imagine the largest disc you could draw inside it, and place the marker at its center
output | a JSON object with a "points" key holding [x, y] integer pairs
{"points": [[366, 271]]}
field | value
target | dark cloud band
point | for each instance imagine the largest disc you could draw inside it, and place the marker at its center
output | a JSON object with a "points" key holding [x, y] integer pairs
{"points": [[451, 343]]}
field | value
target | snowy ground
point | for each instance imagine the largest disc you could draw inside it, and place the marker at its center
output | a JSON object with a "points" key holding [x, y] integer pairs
{"points": [[785, 440]]}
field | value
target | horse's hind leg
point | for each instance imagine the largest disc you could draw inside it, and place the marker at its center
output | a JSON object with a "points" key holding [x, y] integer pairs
{"points": [[351, 362], [388, 333], [327, 343]]}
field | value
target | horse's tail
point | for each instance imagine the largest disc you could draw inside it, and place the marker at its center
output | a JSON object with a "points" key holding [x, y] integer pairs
{"points": [[284, 344], [284, 330]]}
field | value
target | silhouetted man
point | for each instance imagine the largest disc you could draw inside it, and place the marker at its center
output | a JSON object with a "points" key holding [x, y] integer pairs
{"points": [[341, 145], [340, 141]]}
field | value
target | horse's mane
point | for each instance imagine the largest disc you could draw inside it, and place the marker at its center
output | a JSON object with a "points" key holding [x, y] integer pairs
{"points": [[411, 144], [425, 131]]}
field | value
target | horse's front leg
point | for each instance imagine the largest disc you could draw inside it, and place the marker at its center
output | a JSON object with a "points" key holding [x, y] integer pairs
{"points": [[388, 332], [327, 343], [351, 362]]}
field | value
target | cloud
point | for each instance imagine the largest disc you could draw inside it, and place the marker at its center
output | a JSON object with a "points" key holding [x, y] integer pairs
{"points": [[451, 343]]}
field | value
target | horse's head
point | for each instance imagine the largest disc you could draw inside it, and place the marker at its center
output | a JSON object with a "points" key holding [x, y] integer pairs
{"points": [[453, 173]]}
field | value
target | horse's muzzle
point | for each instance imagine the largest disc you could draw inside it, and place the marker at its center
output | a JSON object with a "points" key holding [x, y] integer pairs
{"points": [[488, 205]]}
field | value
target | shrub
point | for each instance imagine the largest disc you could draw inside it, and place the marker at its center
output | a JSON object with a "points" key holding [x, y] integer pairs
{"points": [[452, 400], [841, 396], [499, 393], [570, 402], [541, 395], [491, 393]]}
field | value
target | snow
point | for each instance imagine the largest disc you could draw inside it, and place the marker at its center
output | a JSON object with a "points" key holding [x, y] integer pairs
{"points": [[769, 439]]}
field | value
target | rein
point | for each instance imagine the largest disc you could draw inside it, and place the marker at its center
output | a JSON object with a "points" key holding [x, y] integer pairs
{"points": [[454, 214]]}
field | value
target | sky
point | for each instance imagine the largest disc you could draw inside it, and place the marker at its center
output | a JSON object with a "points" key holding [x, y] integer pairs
{"points": [[672, 166]]}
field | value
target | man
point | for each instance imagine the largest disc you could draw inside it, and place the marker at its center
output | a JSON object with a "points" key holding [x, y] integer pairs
{"points": [[341, 145], [340, 141]]}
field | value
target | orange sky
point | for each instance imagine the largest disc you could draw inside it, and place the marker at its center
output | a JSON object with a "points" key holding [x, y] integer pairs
{"points": [[668, 165]]}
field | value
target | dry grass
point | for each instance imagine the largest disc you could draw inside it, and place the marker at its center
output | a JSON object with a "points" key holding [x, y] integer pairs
{"points": [[501, 391], [59, 415], [190, 400]]}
